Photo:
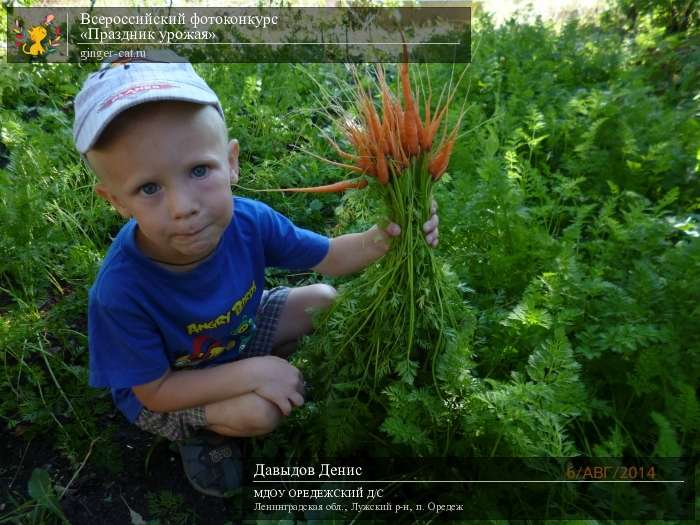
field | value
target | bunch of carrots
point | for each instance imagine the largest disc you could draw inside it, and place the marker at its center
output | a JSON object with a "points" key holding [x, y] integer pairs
{"points": [[387, 145], [393, 321]]}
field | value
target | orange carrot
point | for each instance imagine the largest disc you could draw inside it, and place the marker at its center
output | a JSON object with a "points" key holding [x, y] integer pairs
{"points": [[438, 167], [367, 166], [340, 151], [382, 169], [426, 140], [394, 146], [391, 119], [386, 130], [416, 115], [409, 131], [387, 125], [390, 107], [433, 127], [331, 188], [359, 140], [397, 137], [421, 131], [406, 86], [350, 167], [373, 124], [439, 162]]}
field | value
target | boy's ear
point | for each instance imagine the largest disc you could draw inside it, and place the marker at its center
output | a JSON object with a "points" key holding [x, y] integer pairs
{"points": [[104, 193], [233, 150]]}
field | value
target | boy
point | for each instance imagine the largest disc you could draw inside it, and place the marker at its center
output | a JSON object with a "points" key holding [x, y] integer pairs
{"points": [[178, 302]]}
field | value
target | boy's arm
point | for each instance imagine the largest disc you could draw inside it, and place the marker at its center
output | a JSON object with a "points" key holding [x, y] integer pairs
{"points": [[271, 377], [354, 251]]}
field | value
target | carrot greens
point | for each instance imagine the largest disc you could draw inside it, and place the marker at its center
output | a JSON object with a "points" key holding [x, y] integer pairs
{"points": [[390, 324]]}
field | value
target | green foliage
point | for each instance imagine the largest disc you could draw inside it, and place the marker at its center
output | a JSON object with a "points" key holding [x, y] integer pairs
{"points": [[41, 491], [43, 507], [42, 184], [671, 15], [170, 508], [568, 220]]}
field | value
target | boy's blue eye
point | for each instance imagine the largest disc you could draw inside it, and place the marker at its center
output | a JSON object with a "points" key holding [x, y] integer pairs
{"points": [[149, 188], [199, 171]]}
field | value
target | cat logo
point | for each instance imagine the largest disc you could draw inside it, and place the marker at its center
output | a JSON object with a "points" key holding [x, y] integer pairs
{"points": [[40, 39]]}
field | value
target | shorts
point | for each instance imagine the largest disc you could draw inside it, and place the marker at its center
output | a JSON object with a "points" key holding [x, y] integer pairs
{"points": [[182, 424]]}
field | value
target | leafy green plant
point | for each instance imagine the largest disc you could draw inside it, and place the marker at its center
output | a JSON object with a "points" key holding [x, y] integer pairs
{"points": [[44, 506]]}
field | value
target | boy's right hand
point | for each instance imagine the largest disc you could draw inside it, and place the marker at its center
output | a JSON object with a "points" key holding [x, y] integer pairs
{"points": [[280, 383]]}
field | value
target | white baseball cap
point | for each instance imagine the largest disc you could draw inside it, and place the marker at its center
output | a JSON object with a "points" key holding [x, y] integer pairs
{"points": [[120, 85]]}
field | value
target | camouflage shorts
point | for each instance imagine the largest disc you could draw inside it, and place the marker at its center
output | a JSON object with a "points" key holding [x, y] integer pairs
{"points": [[182, 424]]}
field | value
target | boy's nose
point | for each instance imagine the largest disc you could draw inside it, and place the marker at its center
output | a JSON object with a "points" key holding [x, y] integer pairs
{"points": [[181, 204]]}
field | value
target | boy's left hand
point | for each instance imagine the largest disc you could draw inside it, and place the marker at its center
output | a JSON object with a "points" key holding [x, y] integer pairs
{"points": [[352, 252], [430, 228]]}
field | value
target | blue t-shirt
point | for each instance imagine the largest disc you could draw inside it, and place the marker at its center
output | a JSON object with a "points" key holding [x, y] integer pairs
{"points": [[144, 319]]}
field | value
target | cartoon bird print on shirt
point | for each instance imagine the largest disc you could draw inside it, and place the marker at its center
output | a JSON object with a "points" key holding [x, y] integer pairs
{"points": [[244, 332], [205, 348]]}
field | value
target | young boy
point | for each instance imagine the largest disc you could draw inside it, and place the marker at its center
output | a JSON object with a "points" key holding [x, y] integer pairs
{"points": [[178, 302]]}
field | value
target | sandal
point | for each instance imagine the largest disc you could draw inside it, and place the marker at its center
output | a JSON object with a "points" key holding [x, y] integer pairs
{"points": [[212, 469]]}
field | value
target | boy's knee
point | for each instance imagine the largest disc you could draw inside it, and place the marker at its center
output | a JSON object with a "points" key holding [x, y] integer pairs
{"points": [[265, 416], [246, 415], [324, 294], [296, 317]]}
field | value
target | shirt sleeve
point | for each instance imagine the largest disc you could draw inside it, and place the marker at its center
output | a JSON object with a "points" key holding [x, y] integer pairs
{"points": [[288, 246], [126, 348]]}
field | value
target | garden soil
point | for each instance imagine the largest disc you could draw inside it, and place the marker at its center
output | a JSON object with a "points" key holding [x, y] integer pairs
{"points": [[97, 498]]}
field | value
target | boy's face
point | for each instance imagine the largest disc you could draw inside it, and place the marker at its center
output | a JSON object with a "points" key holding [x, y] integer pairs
{"points": [[172, 171]]}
